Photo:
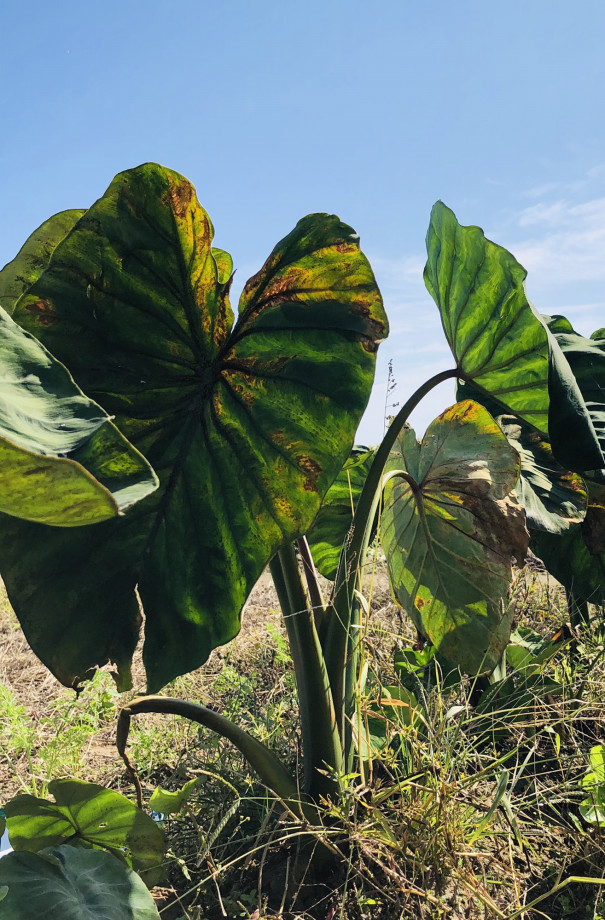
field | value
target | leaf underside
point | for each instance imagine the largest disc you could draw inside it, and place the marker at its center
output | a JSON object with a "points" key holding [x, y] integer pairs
{"points": [[450, 530], [246, 427]]}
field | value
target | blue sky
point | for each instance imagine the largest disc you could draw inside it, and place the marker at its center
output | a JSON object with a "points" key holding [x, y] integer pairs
{"points": [[368, 110]]}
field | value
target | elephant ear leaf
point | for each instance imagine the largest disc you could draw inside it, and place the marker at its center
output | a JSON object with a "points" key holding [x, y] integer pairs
{"points": [[33, 257], [500, 342], [85, 814], [450, 529], [335, 517], [246, 427], [62, 461]]}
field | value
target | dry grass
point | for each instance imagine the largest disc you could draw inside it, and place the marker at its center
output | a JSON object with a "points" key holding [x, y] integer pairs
{"points": [[463, 815]]}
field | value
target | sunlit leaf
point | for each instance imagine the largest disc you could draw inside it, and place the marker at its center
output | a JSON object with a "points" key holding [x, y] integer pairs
{"points": [[170, 803], [62, 461], [500, 342], [85, 814], [335, 517], [450, 531]]}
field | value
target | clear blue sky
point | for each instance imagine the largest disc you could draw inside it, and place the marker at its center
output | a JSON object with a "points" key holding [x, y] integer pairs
{"points": [[371, 110]]}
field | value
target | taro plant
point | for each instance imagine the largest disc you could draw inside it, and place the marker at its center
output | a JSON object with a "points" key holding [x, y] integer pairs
{"points": [[248, 425]]}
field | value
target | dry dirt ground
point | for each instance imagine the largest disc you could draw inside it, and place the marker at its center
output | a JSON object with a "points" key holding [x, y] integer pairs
{"points": [[30, 696]]}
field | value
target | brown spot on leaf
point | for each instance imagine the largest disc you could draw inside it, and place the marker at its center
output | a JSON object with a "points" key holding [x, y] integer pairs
{"points": [[179, 197], [312, 468], [419, 603], [44, 311]]}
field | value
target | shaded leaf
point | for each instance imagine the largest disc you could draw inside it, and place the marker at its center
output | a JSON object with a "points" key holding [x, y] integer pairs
{"points": [[500, 342], [586, 357], [577, 558], [450, 530], [335, 517], [246, 428], [62, 461], [84, 814], [72, 884], [554, 498]]}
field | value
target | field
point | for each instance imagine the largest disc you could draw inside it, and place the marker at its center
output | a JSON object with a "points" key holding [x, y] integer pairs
{"points": [[466, 806]]}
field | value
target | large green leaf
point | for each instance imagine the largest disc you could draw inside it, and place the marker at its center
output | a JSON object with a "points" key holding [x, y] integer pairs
{"points": [[70, 884], [500, 342], [84, 814], [62, 461], [335, 517], [246, 428], [450, 529], [577, 558], [33, 257]]}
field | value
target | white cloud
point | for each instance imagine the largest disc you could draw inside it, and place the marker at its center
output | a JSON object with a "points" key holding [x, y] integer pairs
{"points": [[567, 242]]}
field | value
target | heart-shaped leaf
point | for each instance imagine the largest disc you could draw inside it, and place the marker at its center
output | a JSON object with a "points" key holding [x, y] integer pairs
{"points": [[335, 517], [450, 530], [246, 428], [72, 884], [500, 342], [84, 814]]}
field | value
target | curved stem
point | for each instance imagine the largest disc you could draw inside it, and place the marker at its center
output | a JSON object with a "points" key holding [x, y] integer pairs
{"points": [[349, 572], [270, 769]]}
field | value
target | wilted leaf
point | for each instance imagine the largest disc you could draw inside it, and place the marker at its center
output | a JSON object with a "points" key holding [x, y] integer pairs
{"points": [[577, 558], [450, 530], [554, 498]]}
